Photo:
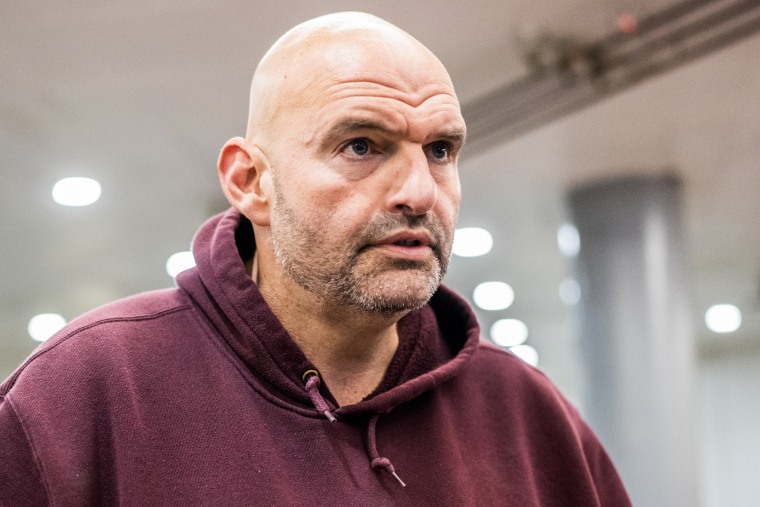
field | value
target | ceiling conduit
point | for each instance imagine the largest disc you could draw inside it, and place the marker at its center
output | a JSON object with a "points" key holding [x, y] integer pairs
{"points": [[583, 74]]}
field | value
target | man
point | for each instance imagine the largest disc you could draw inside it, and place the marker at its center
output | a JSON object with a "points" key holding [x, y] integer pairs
{"points": [[311, 357]]}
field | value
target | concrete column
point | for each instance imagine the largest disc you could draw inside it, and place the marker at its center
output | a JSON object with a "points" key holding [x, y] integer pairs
{"points": [[636, 339]]}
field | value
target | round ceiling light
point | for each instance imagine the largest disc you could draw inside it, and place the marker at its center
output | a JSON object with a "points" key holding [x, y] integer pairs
{"points": [[493, 296], [472, 242], [723, 318], [509, 332], [76, 191], [568, 240], [179, 262], [43, 326], [526, 353]]}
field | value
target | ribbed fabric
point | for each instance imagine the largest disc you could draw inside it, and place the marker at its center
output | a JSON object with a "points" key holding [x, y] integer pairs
{"points": [[196, 396]]}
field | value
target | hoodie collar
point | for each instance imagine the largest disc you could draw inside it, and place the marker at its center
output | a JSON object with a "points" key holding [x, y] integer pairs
{"points": [[435, 342]]}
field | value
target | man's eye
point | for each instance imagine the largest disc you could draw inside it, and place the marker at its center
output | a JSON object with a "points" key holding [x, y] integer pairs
{"points": [[359, 147], [440, 150]]}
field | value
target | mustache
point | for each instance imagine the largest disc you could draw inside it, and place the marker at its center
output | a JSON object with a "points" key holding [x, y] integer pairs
{"points": [[383, 225]]}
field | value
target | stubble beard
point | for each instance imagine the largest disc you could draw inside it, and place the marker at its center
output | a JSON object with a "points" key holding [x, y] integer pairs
{"points": [[355, 277]]}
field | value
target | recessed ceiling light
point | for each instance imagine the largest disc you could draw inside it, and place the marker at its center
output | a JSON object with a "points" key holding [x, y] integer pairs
{"points": [[526, 353], [493, 295], [509, 332], [723, 318], [179, 262], [568, 240], [43, 326], [76, 191], [472, 242]]}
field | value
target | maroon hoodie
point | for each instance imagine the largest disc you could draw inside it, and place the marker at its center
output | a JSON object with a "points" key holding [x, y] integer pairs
{"points": [[198, 396]]}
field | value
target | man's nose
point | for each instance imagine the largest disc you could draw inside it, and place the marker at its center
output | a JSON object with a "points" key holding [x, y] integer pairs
{"points": [[413, 189]]}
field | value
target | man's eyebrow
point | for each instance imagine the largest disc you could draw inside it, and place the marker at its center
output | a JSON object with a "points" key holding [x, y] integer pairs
{"points": [[455, 136], [350, 126]]}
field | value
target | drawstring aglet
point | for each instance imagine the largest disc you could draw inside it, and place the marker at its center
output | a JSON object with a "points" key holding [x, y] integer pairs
{"points": [[311, 378], [394, 474]]}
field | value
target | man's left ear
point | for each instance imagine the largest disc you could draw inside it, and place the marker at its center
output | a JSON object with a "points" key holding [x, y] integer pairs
{"points": [[244, 173]]}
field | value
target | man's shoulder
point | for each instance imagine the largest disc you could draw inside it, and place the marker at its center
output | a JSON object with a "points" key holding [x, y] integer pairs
{"points": [[492, 360], [501, 375], [108, 335], [141, 315], [136, 308]]}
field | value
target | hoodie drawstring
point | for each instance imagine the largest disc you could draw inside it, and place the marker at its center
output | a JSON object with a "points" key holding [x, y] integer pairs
{"points": [[378, 462], [312, 380], [311, 377]]}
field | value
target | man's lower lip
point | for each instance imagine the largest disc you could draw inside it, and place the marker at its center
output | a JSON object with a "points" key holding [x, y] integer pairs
{"points": [[407, 252]]}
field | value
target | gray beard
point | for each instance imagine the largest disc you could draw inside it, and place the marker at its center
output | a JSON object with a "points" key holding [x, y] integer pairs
{"points": [[348, 289], [295, 243]]}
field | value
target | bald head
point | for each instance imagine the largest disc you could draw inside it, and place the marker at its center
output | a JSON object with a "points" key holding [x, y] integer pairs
{"points": [[347, 46]]}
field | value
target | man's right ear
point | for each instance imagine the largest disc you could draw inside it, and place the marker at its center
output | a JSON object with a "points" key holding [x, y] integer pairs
{"points": [[244, 173]]}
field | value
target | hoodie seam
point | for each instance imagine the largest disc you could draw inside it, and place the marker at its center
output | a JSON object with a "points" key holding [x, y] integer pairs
{"points": [[138, 318]]}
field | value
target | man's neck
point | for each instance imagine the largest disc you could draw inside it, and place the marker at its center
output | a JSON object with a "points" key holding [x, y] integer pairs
{"points": [[351, 349]]}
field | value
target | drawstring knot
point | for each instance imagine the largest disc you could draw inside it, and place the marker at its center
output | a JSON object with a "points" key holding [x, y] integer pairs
{"points": [[386, 465], [379, 462], [311, 377]]}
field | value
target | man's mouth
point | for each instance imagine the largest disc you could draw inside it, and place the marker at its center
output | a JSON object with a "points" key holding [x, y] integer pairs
{"points": [[410, 245], [407, 238], [407, 242]]}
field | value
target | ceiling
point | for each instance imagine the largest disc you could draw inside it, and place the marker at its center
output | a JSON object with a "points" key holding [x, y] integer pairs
{"points": [[141, 96]]}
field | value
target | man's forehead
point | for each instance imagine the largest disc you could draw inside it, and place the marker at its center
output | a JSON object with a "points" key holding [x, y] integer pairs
{"points": [[327, 59]]}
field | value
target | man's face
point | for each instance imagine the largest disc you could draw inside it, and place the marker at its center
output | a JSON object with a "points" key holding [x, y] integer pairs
{"points": [[365, 177]]}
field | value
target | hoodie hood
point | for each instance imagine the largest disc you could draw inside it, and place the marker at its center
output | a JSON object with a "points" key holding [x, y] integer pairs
{"points": [[435, 342]]}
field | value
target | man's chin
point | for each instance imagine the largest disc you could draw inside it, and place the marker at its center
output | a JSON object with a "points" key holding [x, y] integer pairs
{"points": [[389, 306], [397, 292]]}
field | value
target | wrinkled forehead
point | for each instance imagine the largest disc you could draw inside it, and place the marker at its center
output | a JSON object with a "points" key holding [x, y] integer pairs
{"points": [[309, 67]]}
